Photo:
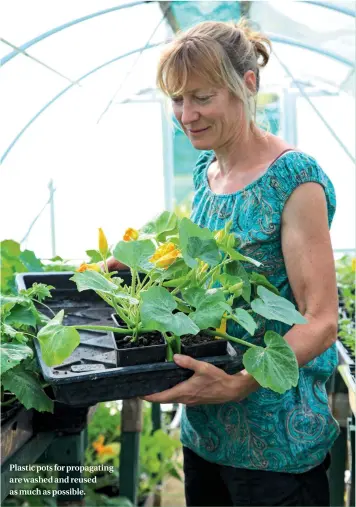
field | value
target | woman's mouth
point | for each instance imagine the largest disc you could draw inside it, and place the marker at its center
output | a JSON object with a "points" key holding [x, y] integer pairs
{"points": [[197, 131]]}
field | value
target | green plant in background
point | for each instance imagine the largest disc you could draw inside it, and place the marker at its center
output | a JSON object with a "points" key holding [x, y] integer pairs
{"points": [[20, 375], [19, 319], [13, 260], [158, 452], [184, 208], [158, 457], [345, 275]]}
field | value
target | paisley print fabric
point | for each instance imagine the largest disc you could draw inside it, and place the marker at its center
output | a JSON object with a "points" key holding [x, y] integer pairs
{"points": [[267, 431]]}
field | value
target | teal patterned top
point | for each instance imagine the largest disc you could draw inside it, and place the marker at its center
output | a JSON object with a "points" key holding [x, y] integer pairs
{"points": [[291, 432]]}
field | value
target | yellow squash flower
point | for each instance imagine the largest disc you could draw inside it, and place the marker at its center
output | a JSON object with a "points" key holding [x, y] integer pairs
{"points": [[88, 267], [353, 264], [108, 450], [222, 327], [103, 243], [99, 443], [131, 234], [163, 250], [165, 255]]}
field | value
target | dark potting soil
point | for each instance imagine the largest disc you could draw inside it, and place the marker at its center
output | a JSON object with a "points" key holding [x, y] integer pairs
{"points": [[153, 338], [190, 339]]}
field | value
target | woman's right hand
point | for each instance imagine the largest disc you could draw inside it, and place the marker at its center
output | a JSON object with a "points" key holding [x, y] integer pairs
{"points": [[113, 265]]}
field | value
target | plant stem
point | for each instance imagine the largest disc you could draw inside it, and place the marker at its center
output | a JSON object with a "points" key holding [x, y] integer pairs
{"points": [[116, 330], [112, 302], [148, 275], [8, 402], [28, 334], [48, 308], [182, 304], [133, 282], [122, 314], [179, 287], [228, 337], [212, 272]]}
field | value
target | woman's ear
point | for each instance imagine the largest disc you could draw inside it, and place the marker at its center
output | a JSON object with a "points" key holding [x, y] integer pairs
{"points": [[250, 80]]}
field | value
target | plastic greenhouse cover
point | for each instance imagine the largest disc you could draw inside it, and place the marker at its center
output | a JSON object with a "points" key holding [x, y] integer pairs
{"points": [[79, 133]]}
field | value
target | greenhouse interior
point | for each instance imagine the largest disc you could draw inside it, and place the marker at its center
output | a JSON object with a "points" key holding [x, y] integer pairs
{"points": [[103, 170]]}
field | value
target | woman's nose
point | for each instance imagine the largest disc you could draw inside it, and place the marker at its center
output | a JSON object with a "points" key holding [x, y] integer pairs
{"points": [[189, 114]]}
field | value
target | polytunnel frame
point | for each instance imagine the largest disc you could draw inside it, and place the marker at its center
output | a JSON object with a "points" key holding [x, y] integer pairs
{"points": [[273, 37]]}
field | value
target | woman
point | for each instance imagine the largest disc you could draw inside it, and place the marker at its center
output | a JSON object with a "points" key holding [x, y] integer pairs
{"points": [[243, 444]]}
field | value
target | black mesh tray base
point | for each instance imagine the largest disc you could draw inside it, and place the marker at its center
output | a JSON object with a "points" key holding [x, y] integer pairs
{"points": [[90, 374], [105, 384]]}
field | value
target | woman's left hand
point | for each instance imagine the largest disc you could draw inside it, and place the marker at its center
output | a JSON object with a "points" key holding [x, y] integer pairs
{"points": [[208, 385]]}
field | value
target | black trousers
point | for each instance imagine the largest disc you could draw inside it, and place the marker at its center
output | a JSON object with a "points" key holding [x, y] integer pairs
{"points": [[210, 484]]}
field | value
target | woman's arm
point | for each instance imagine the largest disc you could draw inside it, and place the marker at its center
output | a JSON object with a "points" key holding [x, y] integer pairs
{"points": [[310, 267]]}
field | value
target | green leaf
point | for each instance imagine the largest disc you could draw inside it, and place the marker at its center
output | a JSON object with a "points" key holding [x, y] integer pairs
{"points": [[187, 230], [5, 310], [27, 389], [91, 280], [8, 331], [274, 307], [204, 249], [135, 254], [29, 259], [14, 300], [162, 226], [210, 306], [176, 270], [245, 320], [156, 313], [10, 248], [12, 354], [237, 256], [275, 366], [10, 265], [258, 279], [22, 316], [235, 268], [39, 291], [8, 285], [94, 256], [57, 342], [57, 258]]}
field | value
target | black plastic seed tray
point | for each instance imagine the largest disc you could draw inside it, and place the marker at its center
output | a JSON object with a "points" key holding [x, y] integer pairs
{"points": [[90, 374]]}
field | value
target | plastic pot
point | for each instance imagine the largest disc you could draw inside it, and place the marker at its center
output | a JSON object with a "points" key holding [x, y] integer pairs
{"points": [[207, 346], [130, 353]]}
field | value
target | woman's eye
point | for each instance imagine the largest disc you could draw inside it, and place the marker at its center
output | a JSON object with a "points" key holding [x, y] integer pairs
{"points": [[203, 99], [177, 100]]}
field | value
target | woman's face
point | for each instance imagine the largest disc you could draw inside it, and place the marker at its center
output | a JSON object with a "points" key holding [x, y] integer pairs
{"points": [[211, 117]]}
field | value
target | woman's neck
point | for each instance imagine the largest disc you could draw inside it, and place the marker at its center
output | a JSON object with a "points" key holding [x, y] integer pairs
{"points": [[248, 150]]}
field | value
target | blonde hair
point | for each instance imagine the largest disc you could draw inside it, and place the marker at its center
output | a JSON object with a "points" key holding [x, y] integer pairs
{"points": [[221, 53]]}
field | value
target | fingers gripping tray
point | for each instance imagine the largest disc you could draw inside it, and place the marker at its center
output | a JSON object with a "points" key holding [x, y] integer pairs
{"points": [[90, 374]]}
